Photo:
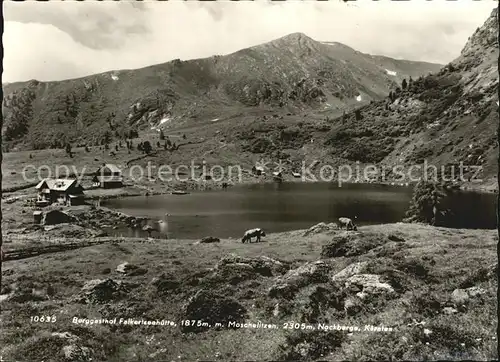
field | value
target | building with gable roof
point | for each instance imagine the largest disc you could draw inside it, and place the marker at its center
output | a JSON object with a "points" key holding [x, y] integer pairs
{"points": [[108, 176], [63, 191]]}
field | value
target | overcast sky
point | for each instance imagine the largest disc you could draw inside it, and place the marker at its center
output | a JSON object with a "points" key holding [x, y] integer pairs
{"points": [[60, 40]]}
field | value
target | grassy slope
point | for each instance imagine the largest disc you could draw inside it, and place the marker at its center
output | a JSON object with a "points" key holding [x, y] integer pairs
{"points": [[427, 267]]}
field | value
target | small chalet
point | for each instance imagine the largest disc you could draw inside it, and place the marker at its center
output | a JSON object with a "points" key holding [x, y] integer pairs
{"points": [[258, 170], [108, 176], [63, 191]]}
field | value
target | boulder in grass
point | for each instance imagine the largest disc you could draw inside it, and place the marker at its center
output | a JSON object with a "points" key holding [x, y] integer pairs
{"points": [[98, 291], [351, 270], [130, 270], [209, 239], [309, 273], [370, 284], [321, 228], [462, 296], [74, 352], [165, 283], [263, 265]]}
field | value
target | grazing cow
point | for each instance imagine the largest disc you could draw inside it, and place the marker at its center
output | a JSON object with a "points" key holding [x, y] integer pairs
{"points": [[349, 225], [249, 234]]}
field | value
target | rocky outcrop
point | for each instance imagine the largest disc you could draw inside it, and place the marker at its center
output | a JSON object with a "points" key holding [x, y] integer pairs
{"points": [[370, 284], [351, 270], [102, 217], [77, 353], [73, 351], [209, 239], [310, 273], [233, 269], [321, 228], [352, 244], [101, 291]]}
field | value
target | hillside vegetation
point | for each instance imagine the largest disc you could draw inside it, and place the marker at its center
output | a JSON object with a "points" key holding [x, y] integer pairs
{"points": [[445, 118]]}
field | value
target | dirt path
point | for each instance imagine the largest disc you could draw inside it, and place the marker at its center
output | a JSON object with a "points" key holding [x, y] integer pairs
{"points": [[69, 244]]}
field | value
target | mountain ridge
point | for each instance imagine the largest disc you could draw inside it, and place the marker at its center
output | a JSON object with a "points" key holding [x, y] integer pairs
{"points": [[293, 72], [291, 35]]}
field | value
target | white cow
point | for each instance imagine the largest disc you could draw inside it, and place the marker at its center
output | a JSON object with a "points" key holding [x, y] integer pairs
{"points": [[349, 225], [249, 234]]}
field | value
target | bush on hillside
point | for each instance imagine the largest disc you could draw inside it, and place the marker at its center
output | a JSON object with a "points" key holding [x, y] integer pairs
{"points": [[429, 204], [260, 145]]}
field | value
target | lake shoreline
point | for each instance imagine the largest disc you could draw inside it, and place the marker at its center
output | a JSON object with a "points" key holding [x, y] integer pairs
{"points": [[164, 188], [161, 189], [19, 210], [301, 202], [416, 229]]}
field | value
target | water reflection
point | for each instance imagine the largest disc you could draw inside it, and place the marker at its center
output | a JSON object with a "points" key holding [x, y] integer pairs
{"points": [[287, 206]]}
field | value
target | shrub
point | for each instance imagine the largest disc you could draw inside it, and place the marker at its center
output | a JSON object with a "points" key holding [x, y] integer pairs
{"points": [[146, 147], [261, 145], [428, 204], [358, 115]]}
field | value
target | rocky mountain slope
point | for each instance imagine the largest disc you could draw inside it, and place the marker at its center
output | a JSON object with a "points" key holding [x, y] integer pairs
{"points": [[444, 118], [291, 73]]}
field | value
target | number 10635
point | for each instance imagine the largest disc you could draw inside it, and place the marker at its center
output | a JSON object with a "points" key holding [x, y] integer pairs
{"points": [[43, 319]]}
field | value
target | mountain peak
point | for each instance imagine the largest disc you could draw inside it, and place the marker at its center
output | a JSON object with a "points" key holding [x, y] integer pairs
{"points": [[294, 41], [296, 37]]}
